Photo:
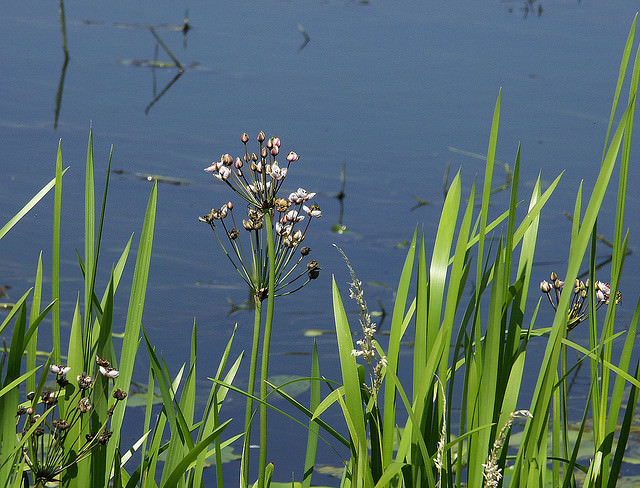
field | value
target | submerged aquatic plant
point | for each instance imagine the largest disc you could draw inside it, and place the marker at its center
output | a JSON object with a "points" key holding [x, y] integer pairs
{"points": [[578, 308], [271, 263], [55, 437]]}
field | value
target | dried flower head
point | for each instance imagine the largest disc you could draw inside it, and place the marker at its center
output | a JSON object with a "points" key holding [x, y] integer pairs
{"points": [[102, 362], [84, 381], [119, 394], [84, 405]]}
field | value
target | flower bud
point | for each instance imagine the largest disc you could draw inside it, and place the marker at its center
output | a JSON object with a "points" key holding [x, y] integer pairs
{"points": [[261, 137], [245, 138], [119, 394]]}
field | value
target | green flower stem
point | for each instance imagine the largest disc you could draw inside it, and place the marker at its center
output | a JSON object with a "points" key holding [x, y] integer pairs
{"points": [[250, 390], [265, 350]]}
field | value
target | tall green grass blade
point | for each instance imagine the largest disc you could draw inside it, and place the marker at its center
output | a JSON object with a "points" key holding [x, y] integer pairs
{"points": [[420, 340], [178, 472], [9, 399], [617, 393], [28, 206], [13, 313], [186, 407], [621, 76], [314, 428], [624, 430], [90, 261], [534, 441], [147, 421], [167, 389], [440, 260], [32, 346], [55, 259], [211, 416], [350, 377], [134, 315], [12, 384], [397, 319], [488, 178], [76, 361], [314, 416], [488, 374]]}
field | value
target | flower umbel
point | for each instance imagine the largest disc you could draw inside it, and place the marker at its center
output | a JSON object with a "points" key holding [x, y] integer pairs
{"points": [[51, 444], [578, 308], [257, 179]]}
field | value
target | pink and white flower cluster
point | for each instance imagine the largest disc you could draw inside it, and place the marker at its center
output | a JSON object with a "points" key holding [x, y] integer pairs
{"points": [[578, 307], [257, 178]]}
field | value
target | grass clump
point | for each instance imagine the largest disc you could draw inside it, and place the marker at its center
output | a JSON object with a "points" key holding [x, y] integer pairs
{"points": [[450, 424]]}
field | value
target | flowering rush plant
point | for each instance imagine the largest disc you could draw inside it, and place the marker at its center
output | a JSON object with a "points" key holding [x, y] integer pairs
{"points": [[258, 179], [270, 265], [578, 308], [53, 443]]}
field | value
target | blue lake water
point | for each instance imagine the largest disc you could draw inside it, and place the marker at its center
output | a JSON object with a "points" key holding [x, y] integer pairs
{"points": [[395, 92]]}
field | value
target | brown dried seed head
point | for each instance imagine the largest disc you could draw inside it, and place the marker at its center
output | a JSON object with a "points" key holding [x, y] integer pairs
{"points": [[102, 362], [119, 394]]}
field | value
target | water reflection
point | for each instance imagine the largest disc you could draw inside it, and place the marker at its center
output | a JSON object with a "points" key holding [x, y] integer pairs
{"points": [[63, 71], [158, 96], [532, 7], [155, 63], [306, 37], [340, 228]]}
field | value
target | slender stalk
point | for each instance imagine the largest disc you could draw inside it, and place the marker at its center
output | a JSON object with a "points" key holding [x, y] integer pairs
{"points": [[250, 390], [265, 350], [217, 441]]}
